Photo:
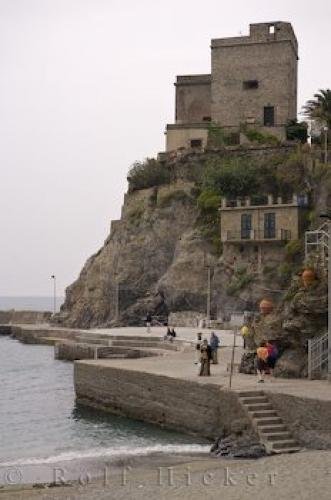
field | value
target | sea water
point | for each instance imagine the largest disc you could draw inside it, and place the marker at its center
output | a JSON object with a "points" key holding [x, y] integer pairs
{"points": [[41, 424], [30, 303]]}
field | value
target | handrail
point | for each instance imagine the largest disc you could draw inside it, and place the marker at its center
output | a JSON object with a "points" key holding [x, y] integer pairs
{"points": [[318, 350]]}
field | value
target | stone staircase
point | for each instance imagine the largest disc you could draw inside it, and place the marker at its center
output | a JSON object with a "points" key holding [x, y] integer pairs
{"points": [[270, 428]]}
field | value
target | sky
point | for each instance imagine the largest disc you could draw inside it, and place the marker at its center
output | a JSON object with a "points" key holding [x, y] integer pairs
{"points": [[86, 88]]}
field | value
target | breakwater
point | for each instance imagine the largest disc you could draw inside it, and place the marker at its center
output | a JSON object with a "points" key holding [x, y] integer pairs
{"points": [[202, 409]]}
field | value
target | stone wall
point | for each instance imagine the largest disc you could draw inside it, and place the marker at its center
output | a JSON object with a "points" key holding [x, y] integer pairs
{"points": [[191, 407], [71, 351], [24, 317], [185, 318], [268, 59], [193, 98], [180, 136], [309, 420]]}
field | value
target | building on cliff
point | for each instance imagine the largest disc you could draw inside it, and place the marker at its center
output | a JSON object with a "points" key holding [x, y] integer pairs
{"points": [[253, 82], [257, 231]]}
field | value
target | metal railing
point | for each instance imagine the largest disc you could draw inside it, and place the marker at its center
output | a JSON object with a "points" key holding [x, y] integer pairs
{"points": [[316, 244], [259, 235], [318, 354]]}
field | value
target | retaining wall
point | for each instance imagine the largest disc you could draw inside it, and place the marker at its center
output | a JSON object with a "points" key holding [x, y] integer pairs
{"points": [[309, 420], [71, 351], [24, 317], [195, 408]]}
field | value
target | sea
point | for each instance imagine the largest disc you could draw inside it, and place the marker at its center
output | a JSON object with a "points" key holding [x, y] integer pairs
{"points": [[30, 303], [42, 427]]}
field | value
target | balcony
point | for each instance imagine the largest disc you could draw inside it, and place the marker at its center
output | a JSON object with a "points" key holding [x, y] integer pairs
{"points": [[258, 235]]}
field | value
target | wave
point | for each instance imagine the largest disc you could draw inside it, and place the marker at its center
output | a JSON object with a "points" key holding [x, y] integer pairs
{"points": [[114, 453]]}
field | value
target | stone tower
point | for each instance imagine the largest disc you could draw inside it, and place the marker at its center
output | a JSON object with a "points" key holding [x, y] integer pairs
{"points": [[254, 78], [253, 81]]}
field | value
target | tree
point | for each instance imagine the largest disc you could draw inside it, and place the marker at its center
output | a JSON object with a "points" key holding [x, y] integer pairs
{"points": [[319, 109]]}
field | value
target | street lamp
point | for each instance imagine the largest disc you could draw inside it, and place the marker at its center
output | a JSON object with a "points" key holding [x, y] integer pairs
{"points": [[328, 217], [53, 277]]}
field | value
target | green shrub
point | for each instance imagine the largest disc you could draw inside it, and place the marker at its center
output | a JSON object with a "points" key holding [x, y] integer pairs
{"points": [[231, 178], [209, 201], [239, 283], [218, 137], [174, 196], [296, 131], [294, 249], [254, 135], [147, 174]]}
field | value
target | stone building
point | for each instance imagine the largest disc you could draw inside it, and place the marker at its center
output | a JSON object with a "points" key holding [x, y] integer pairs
{"points": [[258, 231], [253, 82]]}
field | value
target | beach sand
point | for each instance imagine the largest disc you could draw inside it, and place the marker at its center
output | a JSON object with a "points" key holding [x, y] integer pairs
{"points": [[305, 476]]}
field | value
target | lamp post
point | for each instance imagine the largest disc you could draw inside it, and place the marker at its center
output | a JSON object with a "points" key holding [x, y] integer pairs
{"points": [[53, 277]]}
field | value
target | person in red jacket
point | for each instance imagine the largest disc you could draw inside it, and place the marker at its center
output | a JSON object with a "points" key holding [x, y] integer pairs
{"points": [[261, 361]]}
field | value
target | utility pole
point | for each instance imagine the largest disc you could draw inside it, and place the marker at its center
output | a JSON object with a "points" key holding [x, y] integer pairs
{"points": [[53, 277], [208, 295], [117, 299], [326, 130], [329, 300]]}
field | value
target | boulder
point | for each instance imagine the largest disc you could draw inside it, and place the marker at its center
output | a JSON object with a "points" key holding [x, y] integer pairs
{"points": [[291, 364]]}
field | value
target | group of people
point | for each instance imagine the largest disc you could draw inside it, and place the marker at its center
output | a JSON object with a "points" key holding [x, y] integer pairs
{"points": [[170, 335], [266, 357], [206, 353]]}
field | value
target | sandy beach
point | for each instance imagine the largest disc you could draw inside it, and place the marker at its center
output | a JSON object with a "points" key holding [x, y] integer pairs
{"points": [[305, 475]]}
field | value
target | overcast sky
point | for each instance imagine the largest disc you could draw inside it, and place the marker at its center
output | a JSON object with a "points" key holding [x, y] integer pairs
{"points": [[86, 88]]}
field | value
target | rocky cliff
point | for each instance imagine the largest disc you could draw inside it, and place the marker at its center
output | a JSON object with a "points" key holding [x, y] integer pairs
{"points": [[156, 256]]}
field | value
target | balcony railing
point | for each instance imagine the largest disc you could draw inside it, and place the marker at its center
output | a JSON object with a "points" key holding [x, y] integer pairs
{"points": [[259, 235]]}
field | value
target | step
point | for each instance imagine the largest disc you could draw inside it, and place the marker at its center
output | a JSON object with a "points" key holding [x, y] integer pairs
{"points": [[89, 340], [263, 413], [259, 406], [250, 394], [253, 400], [144, 343], [285, 443], [290, 449], [277, 436], [133, 337], [263, 421], [265, 429]]}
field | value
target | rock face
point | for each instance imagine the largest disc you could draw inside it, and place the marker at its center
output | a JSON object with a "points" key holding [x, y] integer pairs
{"points": [[156, 256], [302, 315], [151, 261], [245, 446]]}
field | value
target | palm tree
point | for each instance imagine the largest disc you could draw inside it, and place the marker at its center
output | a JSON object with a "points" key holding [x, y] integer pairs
{"points": [[319, 109]]}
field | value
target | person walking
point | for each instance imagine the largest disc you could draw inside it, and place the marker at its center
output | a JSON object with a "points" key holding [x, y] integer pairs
{"points": [[205, 357], [272, 356], [245, 332], [214, 345], [197, 348], [148, 322], [168, 335], [261, 361]]}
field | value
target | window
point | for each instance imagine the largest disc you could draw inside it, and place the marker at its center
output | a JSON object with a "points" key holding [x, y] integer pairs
{"points": [[250, 84], [246, 226], [196, 143], [269, 116], [271, 29], [269, 226], [206, 119]]}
